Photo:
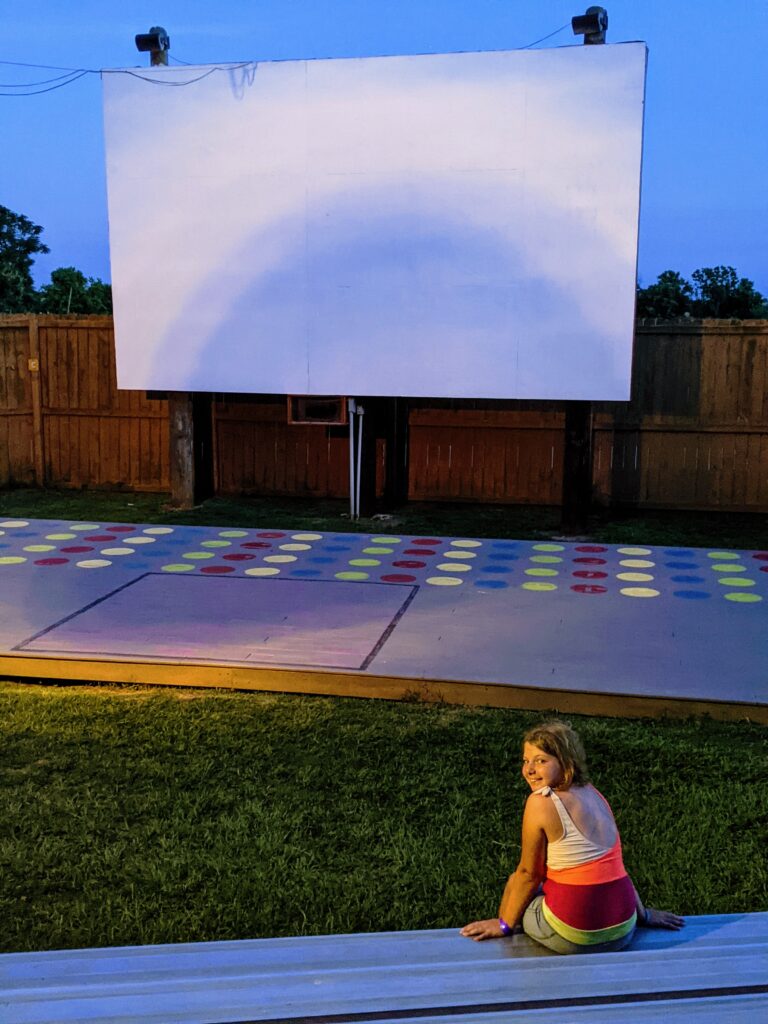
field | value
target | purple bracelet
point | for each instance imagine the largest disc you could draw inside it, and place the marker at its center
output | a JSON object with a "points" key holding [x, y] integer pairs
{"points": [[505, 929]]}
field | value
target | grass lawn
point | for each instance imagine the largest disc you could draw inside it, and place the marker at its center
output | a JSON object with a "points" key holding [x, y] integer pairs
{"points": [[136, 815]]}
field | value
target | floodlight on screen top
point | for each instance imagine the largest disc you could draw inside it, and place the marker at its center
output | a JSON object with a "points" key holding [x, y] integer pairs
{"points": [[450, 225]]}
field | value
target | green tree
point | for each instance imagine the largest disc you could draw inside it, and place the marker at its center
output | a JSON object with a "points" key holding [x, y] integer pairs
{"points": [[19, 243], [669, 298], [70, 291], [720, 292]]}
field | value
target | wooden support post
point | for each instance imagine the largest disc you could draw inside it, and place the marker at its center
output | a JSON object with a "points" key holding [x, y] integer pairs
{"points": [[577, 467], [35, 377], [191, 457]]}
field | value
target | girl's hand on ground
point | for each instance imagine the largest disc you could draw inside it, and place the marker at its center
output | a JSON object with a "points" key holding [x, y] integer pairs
{"points": [[663, 919], [480, 930]]}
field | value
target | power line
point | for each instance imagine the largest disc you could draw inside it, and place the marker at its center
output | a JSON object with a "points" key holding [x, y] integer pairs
{"points": [[543, 38], [37, 92]]}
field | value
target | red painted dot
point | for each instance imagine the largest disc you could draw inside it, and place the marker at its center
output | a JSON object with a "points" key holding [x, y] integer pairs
{"points": [[419, 551], [51, 561], [269, 533], [764, 568], [590, 547], [237, 557], [426, 540], [409, 564], [586, 574], [99, 537], [122, 529], [590, 561], [256, 544], [761, 556], [398, 577], [586, 588], [76, 549], [217, 570]]}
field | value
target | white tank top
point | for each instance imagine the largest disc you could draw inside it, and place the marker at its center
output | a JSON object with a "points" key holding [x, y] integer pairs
{"points": [[573, 848]]}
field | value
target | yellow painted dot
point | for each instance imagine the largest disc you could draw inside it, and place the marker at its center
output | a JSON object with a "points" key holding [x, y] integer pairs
{"points": [[454, 567], [13, 523], [549, 547], [295, 547], [634, 577], [378, 551], [387, 540], [280, 558], [637, 563], [93, 563], [546, 558], [728, 567], [742, 598], [12, 560], [634, 551], [158, 530], [736, 581], [233, 533], [639, 592], [84, 527], [198, 556], [215, 544], [541, 572], [444, 581], [365, 561], [60, 536], [459, 554], [306, 536], [723, 556], [262, 570], [352, 575], [466, 544], [178, 567], [538, 586], [143, 540], [39, 547], [116, 551]]}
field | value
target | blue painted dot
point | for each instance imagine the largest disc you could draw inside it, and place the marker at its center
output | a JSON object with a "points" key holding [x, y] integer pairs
{"points": [[179, 540], [679, 552], [692, 595], [306, 572], [505, 545], [682, 565], [688, 579], [491, 584], [497, 568], [507, 556], [33, 533], [133, 565], [5, 545], [322, 559], [337, 547]]}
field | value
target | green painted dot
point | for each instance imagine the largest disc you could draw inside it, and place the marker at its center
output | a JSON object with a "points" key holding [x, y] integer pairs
{"points": [[459, 554], [378, 551], [541, 572], [728, 567], [84, 527], [444, 581], [262, 570], [639, 592], [280, 558], [736, 581], [549, 547], [634, 551], [60, 536], [454, 567], [39, 547], [466, 544], [233, 533], [215, 544], [306, 536], [198, 556], [12, 560], [158, 529], [723, 556], [387, 540], [538, 586], [178, 567], [546, 558], [634, 577], [116, 551], [365, 561], [637, 563], [295, 547], [742, 598], [352, 575]]}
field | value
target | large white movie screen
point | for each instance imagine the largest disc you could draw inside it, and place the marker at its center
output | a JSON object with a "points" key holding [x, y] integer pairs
{"points": [[452, 225]]}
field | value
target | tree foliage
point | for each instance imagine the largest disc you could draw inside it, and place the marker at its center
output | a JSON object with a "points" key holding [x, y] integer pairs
{"points": [[713, 292], [70, 291]]}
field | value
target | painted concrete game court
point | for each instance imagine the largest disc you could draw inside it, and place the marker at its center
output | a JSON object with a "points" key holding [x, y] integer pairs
{"points": [[614, 629]]}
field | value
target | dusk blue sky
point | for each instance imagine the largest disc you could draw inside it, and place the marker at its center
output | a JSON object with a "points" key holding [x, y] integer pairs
{"points": [[704, 195]]}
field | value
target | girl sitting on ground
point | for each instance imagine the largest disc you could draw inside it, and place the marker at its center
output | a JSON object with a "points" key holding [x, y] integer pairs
{"points": [[570, 890]]}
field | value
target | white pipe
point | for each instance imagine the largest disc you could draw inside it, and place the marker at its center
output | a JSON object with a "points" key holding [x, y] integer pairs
{"points": [[351, 407], [360, 414]]}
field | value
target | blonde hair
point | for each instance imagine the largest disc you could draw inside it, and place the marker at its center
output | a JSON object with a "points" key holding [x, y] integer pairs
{"points": [[559, 740]]}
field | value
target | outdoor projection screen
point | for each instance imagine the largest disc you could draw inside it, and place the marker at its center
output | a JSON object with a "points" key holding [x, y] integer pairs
{"points": [[451, 225]]}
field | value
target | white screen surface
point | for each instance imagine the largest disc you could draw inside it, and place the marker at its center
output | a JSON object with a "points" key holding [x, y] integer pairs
{"points": [[452, 225]]}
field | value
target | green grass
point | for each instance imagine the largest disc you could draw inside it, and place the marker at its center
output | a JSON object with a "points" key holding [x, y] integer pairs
{"points": [[132, 815], [523, 522]]}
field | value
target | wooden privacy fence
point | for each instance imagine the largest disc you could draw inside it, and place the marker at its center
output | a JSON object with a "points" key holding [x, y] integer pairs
{"points": [[693, 435]]}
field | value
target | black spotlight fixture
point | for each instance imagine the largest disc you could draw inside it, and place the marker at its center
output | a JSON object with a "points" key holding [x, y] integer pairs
{"points": [[156, 42], [592, 25]]}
